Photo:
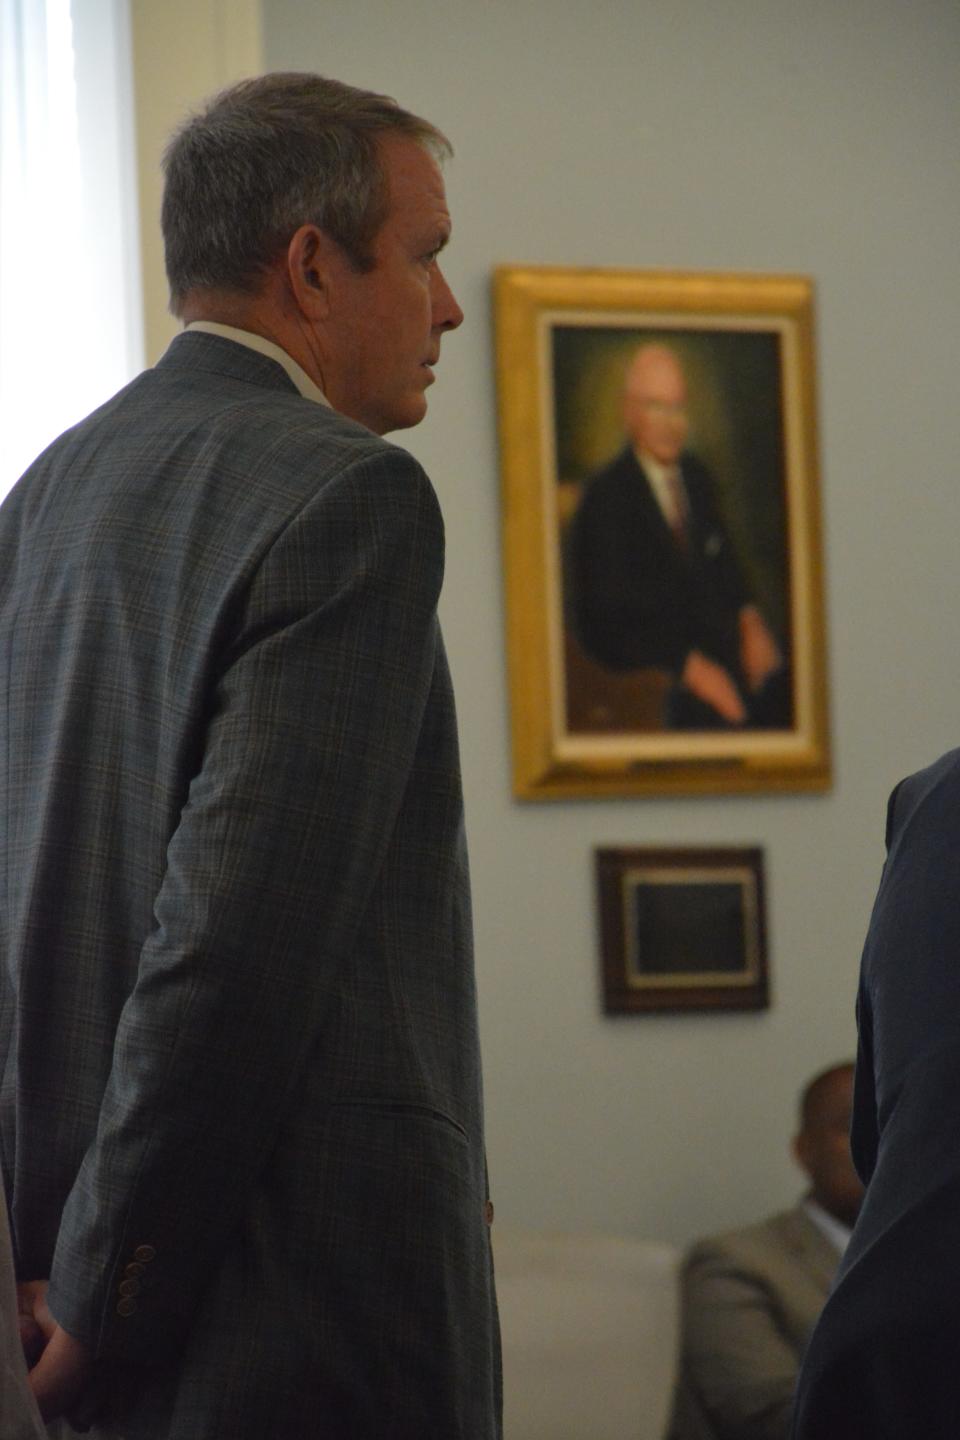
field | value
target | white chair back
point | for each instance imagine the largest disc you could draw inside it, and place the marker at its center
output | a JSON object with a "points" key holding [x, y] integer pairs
{"points": [[590, 1334]]}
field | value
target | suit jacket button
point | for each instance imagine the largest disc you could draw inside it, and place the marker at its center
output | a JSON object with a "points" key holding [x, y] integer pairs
{"points": [[126, 1307], [488, 1212], [144, 1253], [130, 1287], [134, 1268]]}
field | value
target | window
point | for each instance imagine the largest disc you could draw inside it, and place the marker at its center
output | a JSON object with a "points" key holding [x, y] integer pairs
{"points": [[70, 328]]}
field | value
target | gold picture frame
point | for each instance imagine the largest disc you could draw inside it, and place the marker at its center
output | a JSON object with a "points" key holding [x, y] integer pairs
{"points": [[565, 340]]}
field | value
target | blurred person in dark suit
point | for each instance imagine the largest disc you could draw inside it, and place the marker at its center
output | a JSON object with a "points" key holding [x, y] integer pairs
{"points": [[882, 1362]]}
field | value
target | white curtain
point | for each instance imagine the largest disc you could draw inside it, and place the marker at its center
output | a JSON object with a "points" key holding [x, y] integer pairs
{"points": [[70, 326]]}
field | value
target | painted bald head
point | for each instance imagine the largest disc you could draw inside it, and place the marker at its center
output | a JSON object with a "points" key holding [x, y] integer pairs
{"points": [[655, 403]]}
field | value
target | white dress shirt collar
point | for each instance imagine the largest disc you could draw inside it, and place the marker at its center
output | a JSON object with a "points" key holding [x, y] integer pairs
{"points": [[835, 1231], [661, 479]]}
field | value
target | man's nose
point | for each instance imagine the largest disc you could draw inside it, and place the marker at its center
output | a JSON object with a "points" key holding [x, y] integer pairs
{"points": [[447, 314]]}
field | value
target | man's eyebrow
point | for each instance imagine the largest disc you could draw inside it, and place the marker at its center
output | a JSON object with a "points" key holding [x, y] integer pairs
{"points": [[435, 239]]}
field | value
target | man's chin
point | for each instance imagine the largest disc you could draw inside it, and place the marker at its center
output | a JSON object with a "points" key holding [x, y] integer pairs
{"points": [[405, 416]]}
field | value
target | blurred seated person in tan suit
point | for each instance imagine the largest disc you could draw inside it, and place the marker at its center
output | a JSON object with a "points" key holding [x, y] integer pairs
{"points": [[751, 1297]]}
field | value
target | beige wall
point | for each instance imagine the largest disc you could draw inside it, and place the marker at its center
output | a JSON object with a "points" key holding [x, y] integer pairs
{"points": [[183, 50], [758, 136]]}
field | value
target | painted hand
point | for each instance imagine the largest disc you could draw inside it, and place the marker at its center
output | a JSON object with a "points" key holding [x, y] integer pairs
{"points": [[759, 654], [714, 686]]}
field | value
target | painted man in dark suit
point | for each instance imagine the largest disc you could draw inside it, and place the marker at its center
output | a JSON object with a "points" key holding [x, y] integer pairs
{"points": [[240, 1110], [883, 1361], [653, 575], [752, 1296]]}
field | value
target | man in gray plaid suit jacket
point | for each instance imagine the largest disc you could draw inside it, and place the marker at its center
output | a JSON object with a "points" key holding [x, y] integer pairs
{"points": [[240, 1114]]}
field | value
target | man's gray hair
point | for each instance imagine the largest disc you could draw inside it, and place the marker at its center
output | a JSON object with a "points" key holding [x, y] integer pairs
{"points": [[263, 158]]}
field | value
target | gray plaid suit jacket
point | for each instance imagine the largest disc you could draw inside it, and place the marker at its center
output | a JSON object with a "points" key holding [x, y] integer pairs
{"points": [[240, 1101]]}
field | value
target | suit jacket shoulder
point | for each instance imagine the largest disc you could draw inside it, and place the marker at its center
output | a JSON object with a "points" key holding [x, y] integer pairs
{"points": [[787, 1239], [750, 1300]]}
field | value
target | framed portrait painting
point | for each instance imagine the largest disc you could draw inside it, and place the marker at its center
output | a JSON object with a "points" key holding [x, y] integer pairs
{"points": [[682, 929], [662, 537]]}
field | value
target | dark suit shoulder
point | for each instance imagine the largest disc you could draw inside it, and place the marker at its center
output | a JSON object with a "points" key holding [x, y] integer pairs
{"points": [[622, 473], [203, 446], [617, 505], [923, 834], [182, 491], [230, 387], [623, 482], [937, 783], [623, 464], [374, 519]]}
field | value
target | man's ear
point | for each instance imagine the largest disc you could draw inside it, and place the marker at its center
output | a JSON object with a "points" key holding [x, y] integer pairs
{"points": [[309, 263]]}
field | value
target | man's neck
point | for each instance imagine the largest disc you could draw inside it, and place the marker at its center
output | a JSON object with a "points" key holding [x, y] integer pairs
{"points": [[303, 382], [260, 314]]}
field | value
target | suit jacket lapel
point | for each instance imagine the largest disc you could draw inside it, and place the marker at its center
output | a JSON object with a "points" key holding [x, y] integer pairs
{"points": [[631, 468]]}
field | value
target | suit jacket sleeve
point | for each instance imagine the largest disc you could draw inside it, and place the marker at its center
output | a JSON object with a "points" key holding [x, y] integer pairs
{"points": [[316, 699], [737, 1361], [864, 1132]]}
